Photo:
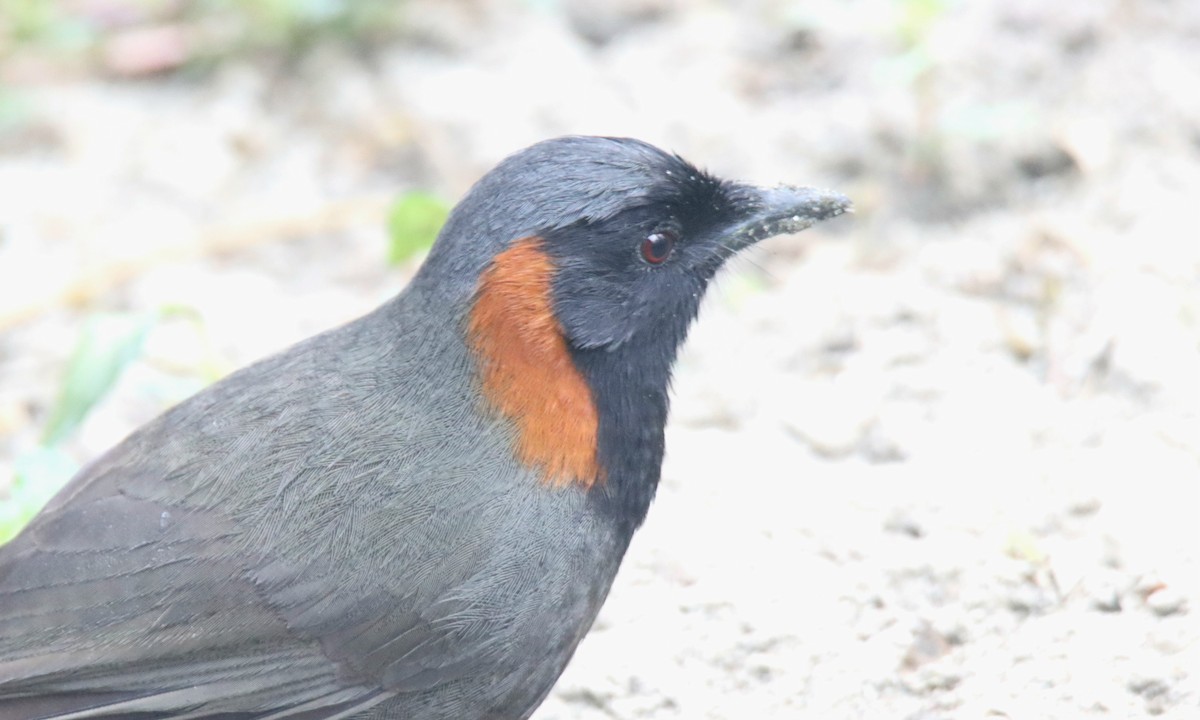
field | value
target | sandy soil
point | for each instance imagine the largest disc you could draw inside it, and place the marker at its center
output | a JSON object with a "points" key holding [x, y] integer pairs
{"points": [[940, 459]]}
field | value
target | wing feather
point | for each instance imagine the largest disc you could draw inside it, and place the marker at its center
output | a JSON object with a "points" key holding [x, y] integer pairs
{"points": [[281, 545]]}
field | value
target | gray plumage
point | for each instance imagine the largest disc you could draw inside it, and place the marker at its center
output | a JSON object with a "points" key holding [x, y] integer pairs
{"points": [[342, 530], [185, 564]]}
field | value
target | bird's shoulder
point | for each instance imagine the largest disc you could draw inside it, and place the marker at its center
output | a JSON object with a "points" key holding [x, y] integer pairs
{"points": [[345, 498]]}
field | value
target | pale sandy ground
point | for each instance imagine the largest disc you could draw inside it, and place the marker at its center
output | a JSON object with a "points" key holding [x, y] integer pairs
{"points": [[940, 459]]}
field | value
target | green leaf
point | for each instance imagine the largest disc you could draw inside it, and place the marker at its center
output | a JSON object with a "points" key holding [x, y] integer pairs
{"points": [[413, 224], [39, 475], [917, 18], [106, 347]]}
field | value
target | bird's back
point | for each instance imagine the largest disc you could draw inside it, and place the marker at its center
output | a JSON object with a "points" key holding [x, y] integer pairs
{"points": [[338, 529]]}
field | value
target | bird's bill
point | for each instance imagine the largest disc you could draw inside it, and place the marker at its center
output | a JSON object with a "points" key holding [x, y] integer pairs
{"points": [[780, 210]]}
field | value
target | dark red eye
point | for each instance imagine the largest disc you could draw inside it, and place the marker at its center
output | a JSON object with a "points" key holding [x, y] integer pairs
{"points": [[657, 246]]}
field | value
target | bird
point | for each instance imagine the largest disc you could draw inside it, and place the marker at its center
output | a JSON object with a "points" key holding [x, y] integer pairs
{"points": [[417, 514]]}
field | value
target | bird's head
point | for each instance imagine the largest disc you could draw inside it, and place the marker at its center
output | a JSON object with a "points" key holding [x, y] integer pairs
{"points": [[582, 261]]}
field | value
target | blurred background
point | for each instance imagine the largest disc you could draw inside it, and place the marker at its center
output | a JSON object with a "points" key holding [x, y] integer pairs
{"points": [[939, 459]]}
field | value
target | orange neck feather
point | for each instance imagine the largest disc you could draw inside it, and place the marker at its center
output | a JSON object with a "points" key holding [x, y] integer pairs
{"points": [[527, 373]]}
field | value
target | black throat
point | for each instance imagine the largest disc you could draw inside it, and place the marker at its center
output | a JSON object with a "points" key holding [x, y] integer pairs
{"points": [[630, 392]]}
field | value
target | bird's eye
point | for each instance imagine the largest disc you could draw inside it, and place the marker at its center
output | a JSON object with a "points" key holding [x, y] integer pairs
{"points": [[657, 246]]}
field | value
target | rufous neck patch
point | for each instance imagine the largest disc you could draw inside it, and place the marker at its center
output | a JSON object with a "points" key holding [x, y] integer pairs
{"points": [[527, 373]]}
